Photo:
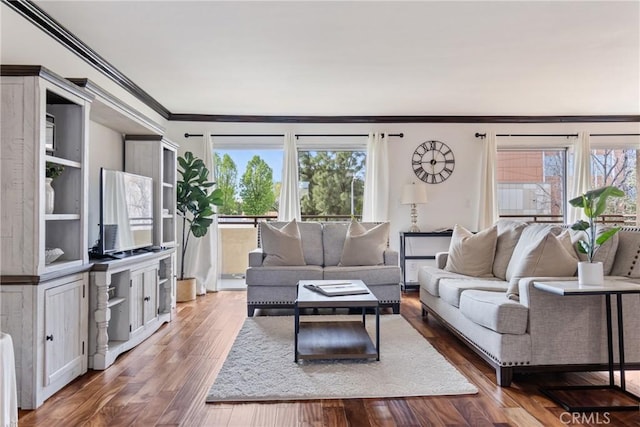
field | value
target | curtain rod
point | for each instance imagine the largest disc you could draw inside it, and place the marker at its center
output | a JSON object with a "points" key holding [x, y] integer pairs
{"points": [[566, 135], [575, 135], [303, 135]]}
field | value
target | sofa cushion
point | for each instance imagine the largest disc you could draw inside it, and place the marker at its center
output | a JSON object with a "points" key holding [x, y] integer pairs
{"points": [[509, 233], [378, 275], [550, 255], [472, 254], [311, 236], [282, 276], [282, 246], [364, 247], [451, 289], [531, 234], [429, 278], [605, 253], [495, 311]]}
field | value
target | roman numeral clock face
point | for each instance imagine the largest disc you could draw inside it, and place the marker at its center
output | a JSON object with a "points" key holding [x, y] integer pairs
{"points": [[433, 162]]}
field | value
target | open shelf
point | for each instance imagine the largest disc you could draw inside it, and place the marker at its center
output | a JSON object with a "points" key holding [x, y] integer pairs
{"points": [[115, 301]]}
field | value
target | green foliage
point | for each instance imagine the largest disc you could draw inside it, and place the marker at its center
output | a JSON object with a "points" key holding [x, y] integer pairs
{"points": [[329, 175], [256, 188], [53, 170], [227, 181], [593, 204], [195, 204]]}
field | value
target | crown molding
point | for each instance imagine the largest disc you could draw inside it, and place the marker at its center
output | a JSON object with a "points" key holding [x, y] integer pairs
{"points": [[46, 23], [53, 28]]}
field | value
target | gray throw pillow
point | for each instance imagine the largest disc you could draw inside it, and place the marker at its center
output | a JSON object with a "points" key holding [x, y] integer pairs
{"points": [[509, 232], [282, 247], [472, 254], [364, 247]]}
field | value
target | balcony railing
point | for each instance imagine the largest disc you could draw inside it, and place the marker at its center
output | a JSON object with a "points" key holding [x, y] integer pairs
{"points": [[255, 219], [629, 220]]}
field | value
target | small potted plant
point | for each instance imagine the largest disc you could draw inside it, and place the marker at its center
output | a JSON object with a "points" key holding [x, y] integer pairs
{"points": [[195, 205], [593, 204], [52, 171]]}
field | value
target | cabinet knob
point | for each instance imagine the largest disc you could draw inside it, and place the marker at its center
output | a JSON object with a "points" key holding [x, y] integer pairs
{"points": [[147, 298], [49, 338]]}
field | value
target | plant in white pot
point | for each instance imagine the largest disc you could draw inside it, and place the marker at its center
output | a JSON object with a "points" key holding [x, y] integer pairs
{"points": [[195, 204], [593, 204]]}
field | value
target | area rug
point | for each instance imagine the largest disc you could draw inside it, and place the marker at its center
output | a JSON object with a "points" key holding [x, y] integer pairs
{"points": [[260, 366]]}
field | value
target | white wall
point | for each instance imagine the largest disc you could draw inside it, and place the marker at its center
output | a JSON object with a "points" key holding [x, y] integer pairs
{"points": [[105, 151], [455, 201]]}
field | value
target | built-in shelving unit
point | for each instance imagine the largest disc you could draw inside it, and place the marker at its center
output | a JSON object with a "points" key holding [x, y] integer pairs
{"points": [[44, 302]]}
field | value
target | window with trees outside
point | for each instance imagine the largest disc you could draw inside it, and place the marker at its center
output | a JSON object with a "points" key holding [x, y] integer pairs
{"points": [[532, 184], [617, 167], [331, 183]]}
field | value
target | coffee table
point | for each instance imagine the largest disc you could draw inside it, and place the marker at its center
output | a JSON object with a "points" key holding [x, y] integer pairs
{"points": [[335, 339]]}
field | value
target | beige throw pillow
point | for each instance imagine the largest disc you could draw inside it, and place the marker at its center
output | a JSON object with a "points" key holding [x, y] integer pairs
{"points": [[509, 232], [282, 246], [364, 247], [472, 254], [548, 256]]}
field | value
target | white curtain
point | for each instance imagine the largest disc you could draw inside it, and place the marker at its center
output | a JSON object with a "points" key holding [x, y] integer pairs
{"points": [[376, 182], [488, 214], [203, 258], [289, 204], [581, 174]]}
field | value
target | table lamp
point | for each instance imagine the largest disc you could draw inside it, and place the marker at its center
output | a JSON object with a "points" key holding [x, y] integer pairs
{"points": [[413, 194]]}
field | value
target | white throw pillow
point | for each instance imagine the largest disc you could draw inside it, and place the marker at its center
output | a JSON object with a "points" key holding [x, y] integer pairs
{"points": [[282, 247], [472, 254], [548, 256], [364, 247], [509, 232]]}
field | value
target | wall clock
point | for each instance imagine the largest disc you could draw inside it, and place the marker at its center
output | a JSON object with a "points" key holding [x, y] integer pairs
{"points": [[433, 162]]}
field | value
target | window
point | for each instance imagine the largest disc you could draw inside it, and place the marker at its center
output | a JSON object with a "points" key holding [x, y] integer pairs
{"points": [[250, 180], [531, 184], [331, 182], [617, 167]]}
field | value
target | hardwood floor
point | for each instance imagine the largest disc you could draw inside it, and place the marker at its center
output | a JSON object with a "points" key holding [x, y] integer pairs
{"points": [[164, 381]]}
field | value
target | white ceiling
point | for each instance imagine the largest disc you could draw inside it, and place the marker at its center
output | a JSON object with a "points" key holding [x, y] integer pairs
{"points": [[370, 58]]}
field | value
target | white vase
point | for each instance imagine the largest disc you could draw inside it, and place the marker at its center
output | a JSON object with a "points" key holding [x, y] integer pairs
{"points": [[590, 274], [49, 195]]}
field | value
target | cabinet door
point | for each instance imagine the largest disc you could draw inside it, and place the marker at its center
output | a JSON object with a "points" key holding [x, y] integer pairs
{"points": [[65, 331], [150, 298], [136, 302]]}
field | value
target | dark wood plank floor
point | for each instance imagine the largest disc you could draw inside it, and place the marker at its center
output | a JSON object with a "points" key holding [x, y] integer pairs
{"points": [[164, 381]]}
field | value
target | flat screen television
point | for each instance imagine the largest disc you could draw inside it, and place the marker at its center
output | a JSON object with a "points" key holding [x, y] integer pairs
{"points": [[126, 212]]}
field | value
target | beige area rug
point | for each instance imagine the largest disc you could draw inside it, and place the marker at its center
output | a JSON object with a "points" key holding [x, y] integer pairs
{"points": [[260, 366]]}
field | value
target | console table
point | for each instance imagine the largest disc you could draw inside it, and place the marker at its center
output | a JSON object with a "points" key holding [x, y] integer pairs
{"points": [[611, 287], [430, 242]]}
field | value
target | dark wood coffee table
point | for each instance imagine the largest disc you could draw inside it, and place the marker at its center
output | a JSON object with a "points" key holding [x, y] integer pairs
{"points": [[335, 339]]}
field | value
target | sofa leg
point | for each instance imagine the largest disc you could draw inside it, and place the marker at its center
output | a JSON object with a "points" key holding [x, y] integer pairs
{"points": [[396, 308], [504, 376], [250, 310], [425, 313]]}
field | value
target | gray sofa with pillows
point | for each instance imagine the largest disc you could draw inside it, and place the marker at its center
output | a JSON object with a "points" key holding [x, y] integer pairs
{"points": [[289, 252], [483, 290]]}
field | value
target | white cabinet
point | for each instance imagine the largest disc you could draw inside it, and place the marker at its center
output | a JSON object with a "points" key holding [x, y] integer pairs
{"points": [[130, 299], [44, 120], [43, 301], [156, 157], [48, 324]]}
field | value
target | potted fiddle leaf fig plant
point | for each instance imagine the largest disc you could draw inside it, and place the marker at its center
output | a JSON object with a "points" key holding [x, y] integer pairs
{"points": [[195, 201], [593, 203]]}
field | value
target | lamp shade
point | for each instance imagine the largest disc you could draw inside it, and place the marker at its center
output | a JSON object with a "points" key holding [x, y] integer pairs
{"points": [[414, 193]]}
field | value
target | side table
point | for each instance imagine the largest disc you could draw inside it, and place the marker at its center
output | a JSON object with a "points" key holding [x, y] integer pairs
{"points": [[430, 242], [615, 392]]}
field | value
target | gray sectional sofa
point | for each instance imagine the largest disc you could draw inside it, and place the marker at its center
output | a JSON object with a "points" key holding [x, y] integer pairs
{"points": [[524, 329], [322, 244]]}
